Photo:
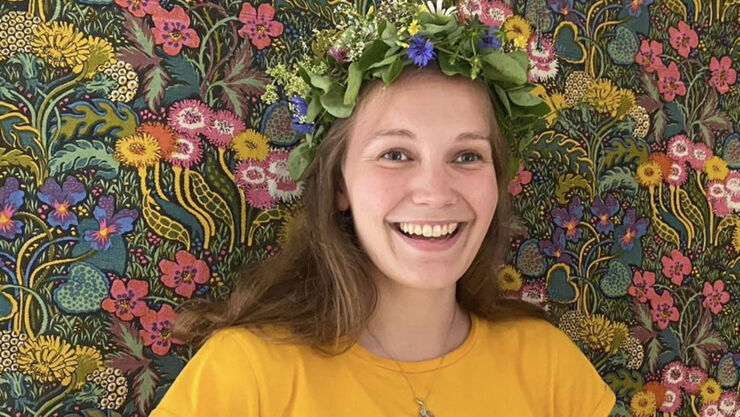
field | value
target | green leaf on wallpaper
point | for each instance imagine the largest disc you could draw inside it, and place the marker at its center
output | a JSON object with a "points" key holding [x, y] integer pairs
{"points": [[85, 154], [162, 224], [671, 347], [145, 383], [138, 34], [625, 382], [185, 79], [712, 118], [16, 130], [94, 118], [153, 86], [617, 178], [241, 79], [85, 288], [16, 157], [570, 181], [624, 151]]}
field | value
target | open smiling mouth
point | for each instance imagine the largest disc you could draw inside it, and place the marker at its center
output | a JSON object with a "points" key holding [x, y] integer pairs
{"points": [[446, 237]]}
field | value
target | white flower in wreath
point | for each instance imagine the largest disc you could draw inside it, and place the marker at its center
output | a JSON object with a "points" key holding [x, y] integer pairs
{"points": [[440, 9]]}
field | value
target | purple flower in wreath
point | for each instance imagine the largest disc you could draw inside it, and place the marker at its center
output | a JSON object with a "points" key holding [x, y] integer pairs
{"points": [[420, 50], [604, 210], [568, 219], [11, 199], [299, 109], [61, 199], [633, 230], [556, 247], [110, 223], [491, 40]]}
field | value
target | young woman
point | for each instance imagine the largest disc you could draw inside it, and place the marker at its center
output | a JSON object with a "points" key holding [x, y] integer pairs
{"points": [[364, 312]]}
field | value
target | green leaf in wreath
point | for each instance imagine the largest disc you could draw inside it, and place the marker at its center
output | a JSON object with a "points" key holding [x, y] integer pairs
{"points": [[299, 159], [333, 102]]}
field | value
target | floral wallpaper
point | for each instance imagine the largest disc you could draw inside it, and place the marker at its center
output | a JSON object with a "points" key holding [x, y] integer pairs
{"points": [[140, 166]]}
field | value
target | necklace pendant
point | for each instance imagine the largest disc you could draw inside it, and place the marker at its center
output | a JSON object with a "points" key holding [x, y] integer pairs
{"points": [[423, 412]]}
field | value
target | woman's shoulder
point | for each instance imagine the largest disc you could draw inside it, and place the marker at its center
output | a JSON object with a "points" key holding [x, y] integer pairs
{"points": [[528, 335]]}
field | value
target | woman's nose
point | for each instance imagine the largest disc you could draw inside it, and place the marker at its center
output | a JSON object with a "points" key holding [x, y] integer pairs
{"points": [[432, 184]]}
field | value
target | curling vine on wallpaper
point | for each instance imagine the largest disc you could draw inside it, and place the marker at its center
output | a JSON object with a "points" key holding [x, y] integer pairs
{"points": [[140, 164]]}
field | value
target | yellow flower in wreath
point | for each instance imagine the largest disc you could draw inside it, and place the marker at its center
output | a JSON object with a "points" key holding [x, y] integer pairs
{"points": [[61, 45], [47, 359]]}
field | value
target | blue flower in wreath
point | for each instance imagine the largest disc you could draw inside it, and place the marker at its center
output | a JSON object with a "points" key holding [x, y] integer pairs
{"points": [[11, 199], [633, 230], [491, 40], [110, 223], [420, 50], [556, 247], [604, 210], [569, 219], [299, 109], [61, 199]]}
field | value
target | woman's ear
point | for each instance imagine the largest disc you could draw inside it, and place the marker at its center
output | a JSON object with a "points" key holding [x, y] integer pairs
{"points": [[342, 200]]}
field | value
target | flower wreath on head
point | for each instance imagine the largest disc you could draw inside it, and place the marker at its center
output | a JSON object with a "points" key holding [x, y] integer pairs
{"points": [[379, 44]]}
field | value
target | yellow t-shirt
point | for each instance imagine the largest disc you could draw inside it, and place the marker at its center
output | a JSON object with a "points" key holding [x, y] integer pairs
{"points": [[518, 367]]}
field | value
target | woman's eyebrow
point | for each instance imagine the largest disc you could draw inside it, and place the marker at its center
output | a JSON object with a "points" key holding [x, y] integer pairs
{"points": [[408, 134]]}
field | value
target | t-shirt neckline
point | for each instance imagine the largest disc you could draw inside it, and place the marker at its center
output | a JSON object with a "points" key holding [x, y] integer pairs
{"points": [[426, 365]]}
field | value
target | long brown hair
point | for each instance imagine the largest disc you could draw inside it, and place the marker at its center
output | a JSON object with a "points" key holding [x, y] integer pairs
{"points": [[318, 286]]}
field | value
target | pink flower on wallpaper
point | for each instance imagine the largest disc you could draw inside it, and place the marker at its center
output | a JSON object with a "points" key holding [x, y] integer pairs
{"points": [[259, 25], [669, 82], [672, 401], [662, 309], [139, 8], [157, 329], [723, 75], [715, 296], [172, 30], [189, 152], [699, 155], [728, 403], [190, 116], [683, 39], [649, 55], [494, 13], [267, 182], [676, 266], [679, 147], [720, 207], [251, 177], [694, 378], [222, 128], [642, 286], [522, 177], [677, 175], [183, 274], [674, 374], [127, 299]]}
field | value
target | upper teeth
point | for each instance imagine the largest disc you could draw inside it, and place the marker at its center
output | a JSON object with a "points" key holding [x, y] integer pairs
{"points": [[428, 230]]}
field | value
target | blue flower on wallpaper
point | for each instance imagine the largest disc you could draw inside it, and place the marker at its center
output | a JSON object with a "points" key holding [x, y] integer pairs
{"points": [[110, 223], [604, 210], [11, 199], [61, 199], [556, 247], [632, 229], [568, 219]]}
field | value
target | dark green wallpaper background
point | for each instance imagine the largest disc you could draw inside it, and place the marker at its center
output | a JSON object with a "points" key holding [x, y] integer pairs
{"points": [[139, 167]]}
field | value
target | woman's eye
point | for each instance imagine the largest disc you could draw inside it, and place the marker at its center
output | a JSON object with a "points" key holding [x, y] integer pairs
{"points": [[393, 153], [477, 155], [400, 153]]}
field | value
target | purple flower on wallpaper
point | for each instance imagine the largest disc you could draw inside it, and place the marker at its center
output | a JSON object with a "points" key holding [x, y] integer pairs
{"points": [[634, 7], [11, 199], [604, 210], [568, 219], [632, 230], [556, 247], [561, 6], [110, 223], [61, 199]]}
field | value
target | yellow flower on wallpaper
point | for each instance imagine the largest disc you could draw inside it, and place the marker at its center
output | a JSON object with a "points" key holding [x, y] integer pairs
{"points": [[649, 174], [89, 360], [47, 359], [626, 103], [603, 96], [621, 333], [517, 30], [643, 404], [716, 168], [250, 144], [509, 279], [710, 390], [736, 239], [101, 52], [61, 45], [597, 332], [139, 150]]}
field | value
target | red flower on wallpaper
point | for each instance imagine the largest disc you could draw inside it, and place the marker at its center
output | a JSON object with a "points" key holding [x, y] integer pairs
{"points": [[649, 55], [715, 296], [127, 299], [642, 286], [157, 329], [172, 30], [185, 273], [139, 8], [669, 82], [259, 25], [676, 266], [683, 39], [522, 177], [662, 309], [723, 75]]}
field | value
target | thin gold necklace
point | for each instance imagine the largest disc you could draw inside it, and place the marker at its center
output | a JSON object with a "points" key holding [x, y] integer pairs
{"points": [[423, 411]]}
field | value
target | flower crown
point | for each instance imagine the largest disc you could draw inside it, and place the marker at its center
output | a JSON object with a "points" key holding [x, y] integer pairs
{"points": [[379, 44]]}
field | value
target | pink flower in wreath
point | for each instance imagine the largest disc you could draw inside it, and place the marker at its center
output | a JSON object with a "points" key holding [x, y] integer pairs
{"points": [[715, 296], [183, 274], [669, 82], [127, 299], [523, 177], [172, 30], [662, 309], [649, 55], [683, 39], [676, 266], [139, 8], [157, 329], [723, 75], [259, 25]]}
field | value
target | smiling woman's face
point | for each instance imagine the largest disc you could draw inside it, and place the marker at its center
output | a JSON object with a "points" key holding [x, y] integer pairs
{"points": [[420, 153]]}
